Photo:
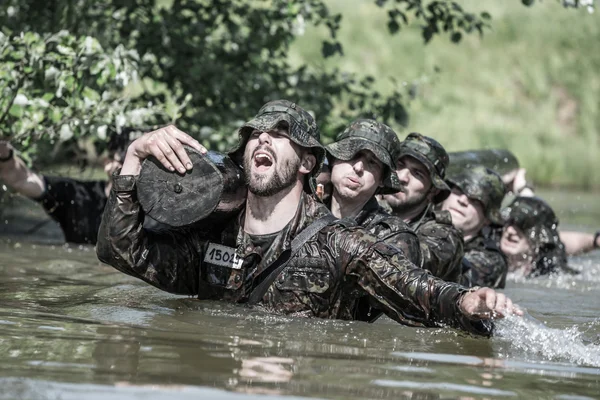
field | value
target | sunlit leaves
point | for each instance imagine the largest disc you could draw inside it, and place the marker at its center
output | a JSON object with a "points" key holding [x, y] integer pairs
{"points": [[52, 90]]}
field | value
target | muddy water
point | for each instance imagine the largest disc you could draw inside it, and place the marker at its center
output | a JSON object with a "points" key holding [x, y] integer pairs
{"points": [[72, 328]]}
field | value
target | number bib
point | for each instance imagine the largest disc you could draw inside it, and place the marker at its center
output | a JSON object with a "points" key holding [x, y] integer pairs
{"points": [[223, 256]]}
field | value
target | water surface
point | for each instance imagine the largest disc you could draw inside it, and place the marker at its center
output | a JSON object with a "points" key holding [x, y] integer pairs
{"points": [[72, 328]]}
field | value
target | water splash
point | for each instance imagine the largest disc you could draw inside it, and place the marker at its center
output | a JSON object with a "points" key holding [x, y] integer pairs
{"points": [[531, 336]]}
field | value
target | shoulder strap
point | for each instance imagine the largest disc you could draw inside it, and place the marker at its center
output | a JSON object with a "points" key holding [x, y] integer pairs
{"points": [[443, 217], [279, 265]]}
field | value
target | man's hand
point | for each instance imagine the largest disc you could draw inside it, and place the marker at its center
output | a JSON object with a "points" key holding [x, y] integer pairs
{"points": [[486, 303], [166, 144]]}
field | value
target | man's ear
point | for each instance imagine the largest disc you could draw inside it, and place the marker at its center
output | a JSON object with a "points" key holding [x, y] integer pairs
{"points": [[308, 163]]}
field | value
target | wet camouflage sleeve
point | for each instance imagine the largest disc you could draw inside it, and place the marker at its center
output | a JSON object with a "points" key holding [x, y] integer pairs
{"points": [[409, 243], [441, 249], [486, 267], [169, 263], [406, 293]]}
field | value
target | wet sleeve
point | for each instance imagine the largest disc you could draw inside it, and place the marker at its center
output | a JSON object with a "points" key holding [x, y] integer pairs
{"points": [[442, 250], [406, 293], [169, 259], [409, 243], [486, 268]]}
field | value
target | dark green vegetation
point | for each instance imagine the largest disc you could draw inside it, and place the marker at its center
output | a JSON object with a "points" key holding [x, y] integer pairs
{"points": [[527, 83]]}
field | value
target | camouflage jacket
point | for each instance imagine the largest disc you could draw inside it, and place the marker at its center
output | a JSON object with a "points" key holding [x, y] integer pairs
{"points": [[390, 229], [484, 263], [393, 231], [325, 278], [441, 244]]}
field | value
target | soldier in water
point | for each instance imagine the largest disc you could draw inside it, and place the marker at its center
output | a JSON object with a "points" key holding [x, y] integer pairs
{"points": [[530, 239], [421, 164], [76, 205], [324, 270], [361, 167], [475, 204]]}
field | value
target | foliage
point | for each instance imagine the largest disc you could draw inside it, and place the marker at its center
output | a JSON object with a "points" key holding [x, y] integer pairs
{"points": [[58, 87], [227, 57]]}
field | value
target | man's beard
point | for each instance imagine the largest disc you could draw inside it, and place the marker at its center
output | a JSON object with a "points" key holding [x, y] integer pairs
{"points": [[400, 207], [265, 186]]}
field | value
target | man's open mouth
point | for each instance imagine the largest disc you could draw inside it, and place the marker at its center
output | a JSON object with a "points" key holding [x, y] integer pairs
{"points": [[262, 160]]}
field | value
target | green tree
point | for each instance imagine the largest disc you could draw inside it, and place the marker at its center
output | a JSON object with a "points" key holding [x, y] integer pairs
{"points": [[58, 88], [217, 59]]}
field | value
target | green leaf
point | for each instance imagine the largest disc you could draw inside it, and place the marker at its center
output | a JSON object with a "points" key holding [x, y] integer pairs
{"points": [[16, 111], [67, 51], [393, 26]]}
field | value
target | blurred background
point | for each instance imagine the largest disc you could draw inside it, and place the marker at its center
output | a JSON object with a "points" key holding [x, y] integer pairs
{"points": [[520, 75]]}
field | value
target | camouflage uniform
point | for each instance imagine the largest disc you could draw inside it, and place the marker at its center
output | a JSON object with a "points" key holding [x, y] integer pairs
{"points": [[382, 141], [325, 278], [539, 223], [484, 263], [441, 242]]}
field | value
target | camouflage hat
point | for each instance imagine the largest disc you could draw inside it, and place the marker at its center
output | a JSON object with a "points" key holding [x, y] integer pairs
{"points": [[303, 129], [380, 139], [483, 184], [433, 155], [535, 218]]}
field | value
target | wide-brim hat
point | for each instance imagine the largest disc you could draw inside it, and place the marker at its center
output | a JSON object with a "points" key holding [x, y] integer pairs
{"points": [[484, 185], [493, 214], [347, 148], [215, 184], [535, 218]]}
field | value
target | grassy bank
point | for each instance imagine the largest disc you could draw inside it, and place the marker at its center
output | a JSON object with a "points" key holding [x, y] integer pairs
{"points": [[531, 84]]}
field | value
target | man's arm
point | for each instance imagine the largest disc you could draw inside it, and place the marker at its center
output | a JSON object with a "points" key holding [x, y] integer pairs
{"points": [[579, 242], [16, 175], [409, 243], [169, 260], [442, 248], [411, 295]]}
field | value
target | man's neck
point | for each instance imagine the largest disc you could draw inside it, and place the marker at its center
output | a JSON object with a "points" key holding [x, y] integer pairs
{"points": [[476, 231], [343, 208], [271, 214]]}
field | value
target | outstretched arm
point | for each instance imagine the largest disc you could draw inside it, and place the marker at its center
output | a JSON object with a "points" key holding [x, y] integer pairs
{"points": [[16, 175], [579, 242], [411, 295]]}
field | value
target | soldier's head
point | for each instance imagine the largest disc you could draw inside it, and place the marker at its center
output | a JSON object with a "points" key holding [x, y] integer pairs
{"points": [[475, 199], [530, 225], [421, 164], [279, 148], [361, 162]]}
